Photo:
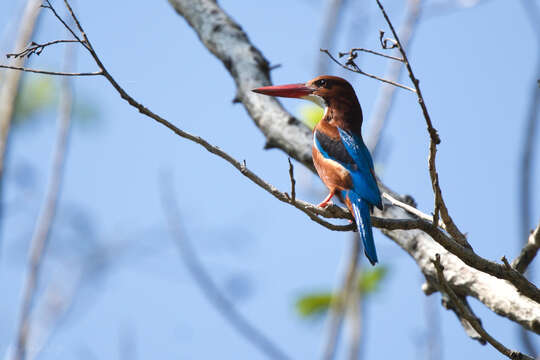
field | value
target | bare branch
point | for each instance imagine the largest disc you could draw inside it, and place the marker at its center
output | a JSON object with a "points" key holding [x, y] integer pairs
{"points": [[467, 327], [35, 48], [68, 28], [204, 280], [46, 72], [528, 252], [293, 182], [351, 66], [353, 54], [467, 313]]}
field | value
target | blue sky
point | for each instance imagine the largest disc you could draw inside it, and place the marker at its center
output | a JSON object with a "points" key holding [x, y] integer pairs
{"points": [[475, 66]]}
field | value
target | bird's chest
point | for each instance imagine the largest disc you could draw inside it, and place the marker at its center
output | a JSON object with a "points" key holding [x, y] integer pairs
{"points": [[334, 175]]}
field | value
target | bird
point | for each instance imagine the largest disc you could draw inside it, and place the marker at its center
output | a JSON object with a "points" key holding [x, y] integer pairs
{"points": [[340, 156]]}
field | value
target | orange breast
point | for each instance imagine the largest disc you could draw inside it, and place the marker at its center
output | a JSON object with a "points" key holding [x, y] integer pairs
{"points": [[333, 175]]}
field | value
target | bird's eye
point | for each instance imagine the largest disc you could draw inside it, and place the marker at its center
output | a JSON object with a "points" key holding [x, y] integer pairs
{"points": [[321, 83]]}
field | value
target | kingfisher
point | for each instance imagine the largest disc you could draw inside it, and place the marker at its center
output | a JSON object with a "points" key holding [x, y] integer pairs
{"points": [[341, 158]]}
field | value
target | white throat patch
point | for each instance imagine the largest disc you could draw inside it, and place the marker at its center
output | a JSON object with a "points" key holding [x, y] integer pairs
{"points": [[315, 99]]}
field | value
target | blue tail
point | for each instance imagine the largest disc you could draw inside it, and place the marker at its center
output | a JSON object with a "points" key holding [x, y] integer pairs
{"points": [[363, 222]]}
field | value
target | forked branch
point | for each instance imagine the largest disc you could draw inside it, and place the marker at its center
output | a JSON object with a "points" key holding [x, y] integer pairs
{"points": [[466, 312]]}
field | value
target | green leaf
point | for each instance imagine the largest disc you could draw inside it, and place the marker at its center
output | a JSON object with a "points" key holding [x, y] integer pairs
{"points": [[369, 280], [311, 114], [36, 94], [314, 304]]}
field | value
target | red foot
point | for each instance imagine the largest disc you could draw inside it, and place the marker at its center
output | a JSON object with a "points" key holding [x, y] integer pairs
{"points": [[326, 200]]}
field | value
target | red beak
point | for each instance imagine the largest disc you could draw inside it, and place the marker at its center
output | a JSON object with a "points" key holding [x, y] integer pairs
{"points": [[289, 91]]}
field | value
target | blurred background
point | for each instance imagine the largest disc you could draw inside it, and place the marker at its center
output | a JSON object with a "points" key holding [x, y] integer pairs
{"points": [[117, 283]]}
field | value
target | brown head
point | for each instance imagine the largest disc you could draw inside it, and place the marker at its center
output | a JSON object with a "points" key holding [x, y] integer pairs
{"points": [[332, 93]]}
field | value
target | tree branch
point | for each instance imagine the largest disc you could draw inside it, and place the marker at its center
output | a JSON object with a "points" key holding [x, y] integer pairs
{"points": [[528, 252], [37, 49], [47, 72], [467, 313]]}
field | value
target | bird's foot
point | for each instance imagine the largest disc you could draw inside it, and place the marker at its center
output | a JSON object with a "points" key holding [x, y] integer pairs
{"points": [[325, 204], [327, 201]]}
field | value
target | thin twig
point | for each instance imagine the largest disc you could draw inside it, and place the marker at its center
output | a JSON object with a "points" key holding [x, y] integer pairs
{"points": [[36, 48], [39, 242], [293, 182], [471, 318], [49, 6], [440, 205], [46, 72], [529, 251], [352, 54], [354, 68], [204, 280]]}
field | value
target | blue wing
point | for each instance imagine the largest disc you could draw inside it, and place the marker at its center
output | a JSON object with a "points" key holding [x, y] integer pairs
{"points": [[364, 182]]}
